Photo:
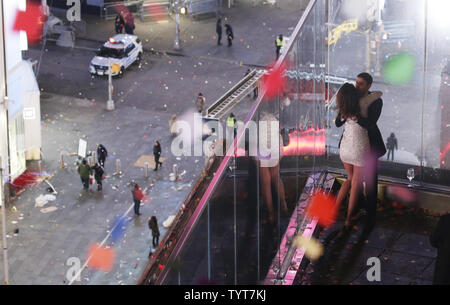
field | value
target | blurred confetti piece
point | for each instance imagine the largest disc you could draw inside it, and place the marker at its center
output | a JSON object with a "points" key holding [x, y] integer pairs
{"points": [[399, 69], [119, 228], [101, 258], [274, 81], [31, 21], [313, 249], [324, 208]]}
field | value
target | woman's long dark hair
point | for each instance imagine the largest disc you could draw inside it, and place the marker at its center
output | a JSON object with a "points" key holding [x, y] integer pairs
{"points": [[347, 101]]}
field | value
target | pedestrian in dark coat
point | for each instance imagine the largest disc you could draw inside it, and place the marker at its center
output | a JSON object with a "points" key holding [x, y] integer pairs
{"points": [[85, 171], [391, 144], [219, 31], [137, 197], [119, 23], [200, 102], [98, 175], [102, 153], [157, 154], [153, 225], [129, 24], [229, 32], [440, 239]]}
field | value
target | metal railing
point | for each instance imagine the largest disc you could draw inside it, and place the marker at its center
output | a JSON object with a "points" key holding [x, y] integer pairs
{"points": [[233, 96]]}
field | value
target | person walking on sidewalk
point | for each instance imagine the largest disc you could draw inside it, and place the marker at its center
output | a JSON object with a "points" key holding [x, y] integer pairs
{"points": [[102, 153], [391, 144], [153, 225], [278, 44], [119, 23], [157, 154], [85, 171], [230, 36], [98, 175], [219, 31], [137, 197], [200, 102]]}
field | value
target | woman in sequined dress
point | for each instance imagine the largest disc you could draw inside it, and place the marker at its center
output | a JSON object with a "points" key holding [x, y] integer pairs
{"points": [[354, 146]]}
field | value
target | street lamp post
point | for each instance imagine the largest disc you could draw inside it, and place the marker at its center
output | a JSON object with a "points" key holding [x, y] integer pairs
{"points": [[110, 102], [4, 244], [176, 43]]}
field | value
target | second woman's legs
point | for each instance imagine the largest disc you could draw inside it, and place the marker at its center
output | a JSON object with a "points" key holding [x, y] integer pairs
{"points": [[279, 186]]}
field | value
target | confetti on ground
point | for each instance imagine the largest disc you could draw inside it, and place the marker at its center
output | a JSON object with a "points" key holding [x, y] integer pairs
{"points": [[48, 210], [101, 258]]}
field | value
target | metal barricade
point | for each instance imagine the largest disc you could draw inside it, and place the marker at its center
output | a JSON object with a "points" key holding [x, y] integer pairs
{"points": [[109, 10], [151, 9], [199, 7]]}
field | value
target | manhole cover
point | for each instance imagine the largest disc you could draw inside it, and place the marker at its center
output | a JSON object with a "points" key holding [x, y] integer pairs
{"points": [[45, 96]]}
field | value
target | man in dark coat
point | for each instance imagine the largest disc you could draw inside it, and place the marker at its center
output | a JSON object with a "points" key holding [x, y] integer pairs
{"points": [[440, 239], [98, 175], [84, 170], [391, 144], [219, 31], [229, 32], [377, 149], [157, 154], [119, 23], [102, 153]]}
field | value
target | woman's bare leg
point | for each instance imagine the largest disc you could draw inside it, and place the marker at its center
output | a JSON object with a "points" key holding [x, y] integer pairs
{"points": [[345, 186], [279, 187], [354, 192], [264, 176]]}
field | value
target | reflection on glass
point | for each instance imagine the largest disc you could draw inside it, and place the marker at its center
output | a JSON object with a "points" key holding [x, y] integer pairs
{"points": [[410, 174]]}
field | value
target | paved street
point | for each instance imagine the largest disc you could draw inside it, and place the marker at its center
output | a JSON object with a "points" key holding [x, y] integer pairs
{"points": [[73, 107]]}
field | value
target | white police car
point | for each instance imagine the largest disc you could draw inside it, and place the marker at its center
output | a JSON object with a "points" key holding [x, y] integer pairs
{"points": [[122, 49]]}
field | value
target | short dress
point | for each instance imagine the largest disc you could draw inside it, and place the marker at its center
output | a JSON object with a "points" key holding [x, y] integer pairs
{"points": [[355, 144]]}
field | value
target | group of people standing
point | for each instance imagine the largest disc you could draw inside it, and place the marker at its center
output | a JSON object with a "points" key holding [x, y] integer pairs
{"points": [[85, 171], [228, 31], [124, 20]]}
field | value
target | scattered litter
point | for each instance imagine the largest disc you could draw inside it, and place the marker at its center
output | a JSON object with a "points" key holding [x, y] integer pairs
{"points": [[43, 200], [168, 221], [48, 210]]}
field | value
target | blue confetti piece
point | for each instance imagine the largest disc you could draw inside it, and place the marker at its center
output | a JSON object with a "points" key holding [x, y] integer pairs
{"points": [[119, 228]]}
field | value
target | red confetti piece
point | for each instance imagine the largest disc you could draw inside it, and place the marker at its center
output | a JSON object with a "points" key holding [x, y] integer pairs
{"points": [[101, 258], [161, 266], [31, 21], [274, 82], [324, 208]]}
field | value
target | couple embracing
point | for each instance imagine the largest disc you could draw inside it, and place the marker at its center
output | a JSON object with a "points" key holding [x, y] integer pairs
{"points": [[360, 147]]}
